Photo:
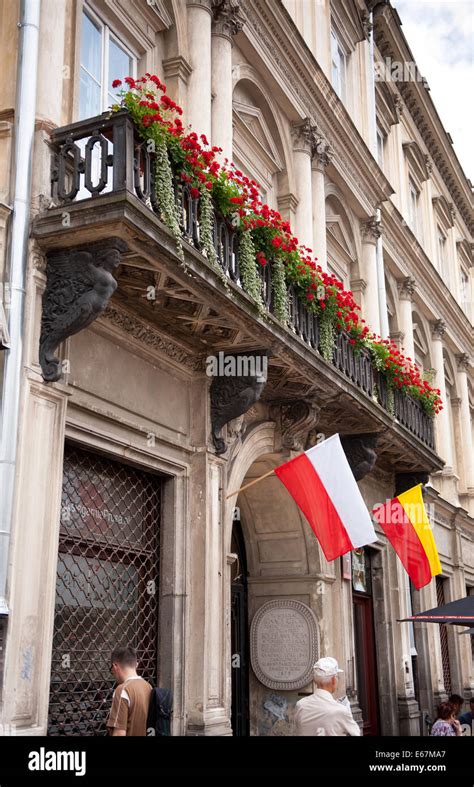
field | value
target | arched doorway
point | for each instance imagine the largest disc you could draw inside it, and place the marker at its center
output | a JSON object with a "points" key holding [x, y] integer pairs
{"points": [[283, 562]]}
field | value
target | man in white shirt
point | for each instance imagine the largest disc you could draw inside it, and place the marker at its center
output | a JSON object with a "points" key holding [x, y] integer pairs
{"points": [[321, 713]]}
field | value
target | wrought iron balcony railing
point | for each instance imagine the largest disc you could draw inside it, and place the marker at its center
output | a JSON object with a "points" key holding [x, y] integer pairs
{"points": [[106, 154]]}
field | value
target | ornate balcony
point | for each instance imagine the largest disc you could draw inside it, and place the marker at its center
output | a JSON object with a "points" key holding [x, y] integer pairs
{"points": [[102, 178]]}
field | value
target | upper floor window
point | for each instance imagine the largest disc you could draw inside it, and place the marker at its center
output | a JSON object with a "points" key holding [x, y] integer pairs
{"points": [[464, 289], [338, 67], [103, 58], [413, 207], [442, 261], [380, 147]]}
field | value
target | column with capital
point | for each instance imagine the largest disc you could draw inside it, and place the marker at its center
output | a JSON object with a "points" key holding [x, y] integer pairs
{"points": [[406, 290], [302, 136], [466, 428], [444, 446], [228, 20], [321, 155], [370, 232], [198, 104]]}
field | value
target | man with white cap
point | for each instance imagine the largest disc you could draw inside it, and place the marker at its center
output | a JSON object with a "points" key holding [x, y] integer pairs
{"points": [[321, 713]]}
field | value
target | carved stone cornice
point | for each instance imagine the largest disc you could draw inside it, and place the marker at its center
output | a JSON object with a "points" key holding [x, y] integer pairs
{"points": [[406, 288], [438, 329], [145, 333], [296, 419], [360, 450], [233, 394], [302, 135], [462, 360], [79, 283], [371, 230], [228, 17]]}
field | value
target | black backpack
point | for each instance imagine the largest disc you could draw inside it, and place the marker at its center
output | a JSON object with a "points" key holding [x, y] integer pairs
{"points": [[159, 712]]}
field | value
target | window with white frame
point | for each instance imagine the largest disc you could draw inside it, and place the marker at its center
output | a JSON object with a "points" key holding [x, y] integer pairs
{"points": [[442, 259], [380, 147], [103, 58], [338, 67], [464, 289], [413, 206]]}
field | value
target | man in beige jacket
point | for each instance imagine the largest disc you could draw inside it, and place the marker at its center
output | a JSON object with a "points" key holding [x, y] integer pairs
{"points": [[321, 713]]}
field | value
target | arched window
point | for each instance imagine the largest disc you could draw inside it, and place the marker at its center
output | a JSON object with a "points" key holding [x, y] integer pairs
{"points": [[341, 251], [256, 146]]}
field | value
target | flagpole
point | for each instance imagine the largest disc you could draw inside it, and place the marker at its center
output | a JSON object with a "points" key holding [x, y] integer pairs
{"points": [[251, 483]]}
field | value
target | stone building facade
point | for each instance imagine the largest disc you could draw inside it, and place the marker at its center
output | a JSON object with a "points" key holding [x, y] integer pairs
{"points": [[120, 524]]}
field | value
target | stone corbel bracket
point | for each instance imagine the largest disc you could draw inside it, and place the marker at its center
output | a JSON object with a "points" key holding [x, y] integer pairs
{"points": [[405, 481], [360, 450], [78, 288], [296, 420], [237, 383]]}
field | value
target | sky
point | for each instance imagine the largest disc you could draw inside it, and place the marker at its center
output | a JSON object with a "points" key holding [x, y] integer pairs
{"points": [[440, 36]]}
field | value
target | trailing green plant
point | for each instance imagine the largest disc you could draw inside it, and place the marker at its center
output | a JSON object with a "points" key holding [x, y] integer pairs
{"points": [[206, 222], [165, 194], [279, 289], [250, 278], [327, 337]]}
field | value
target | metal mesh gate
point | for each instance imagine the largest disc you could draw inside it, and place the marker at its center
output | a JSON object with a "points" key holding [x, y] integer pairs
{"points": [[107, 586]]}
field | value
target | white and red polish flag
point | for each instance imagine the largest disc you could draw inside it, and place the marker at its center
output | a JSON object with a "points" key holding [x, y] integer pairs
{"points": [[322, 484]]}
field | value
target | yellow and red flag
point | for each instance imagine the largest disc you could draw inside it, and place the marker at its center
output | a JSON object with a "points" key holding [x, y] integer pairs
{"points": [[406, 525]]}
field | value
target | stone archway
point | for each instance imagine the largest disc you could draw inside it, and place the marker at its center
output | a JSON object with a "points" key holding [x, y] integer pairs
{"points": [[284, 562]]}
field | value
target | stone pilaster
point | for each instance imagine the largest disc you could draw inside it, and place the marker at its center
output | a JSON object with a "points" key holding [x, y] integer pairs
{"points": [[302, 136], [228, 20], [406, 290], [370, 232], [321, 155]]}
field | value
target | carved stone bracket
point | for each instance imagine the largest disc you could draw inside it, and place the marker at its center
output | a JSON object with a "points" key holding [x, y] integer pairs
{"points": [[237, 384], [228, 17], [438, 328], [79, 285], [296, 420], [463, 361], [371, 230], [302, 135], [405, 481], [360, 450], [321, 151], [406, 288]]}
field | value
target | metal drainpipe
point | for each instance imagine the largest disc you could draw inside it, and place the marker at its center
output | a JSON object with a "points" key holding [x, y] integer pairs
{"points": [[25, 109], [382, 294]]}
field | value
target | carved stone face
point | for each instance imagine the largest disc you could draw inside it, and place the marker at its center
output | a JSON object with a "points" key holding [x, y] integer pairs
{"points": [[109, 259]]}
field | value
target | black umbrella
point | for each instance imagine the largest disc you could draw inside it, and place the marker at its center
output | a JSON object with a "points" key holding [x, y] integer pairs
{"points": [[457, 613]]}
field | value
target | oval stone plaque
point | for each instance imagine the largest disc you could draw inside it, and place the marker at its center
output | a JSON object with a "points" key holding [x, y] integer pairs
{"points": [[284, 644]]}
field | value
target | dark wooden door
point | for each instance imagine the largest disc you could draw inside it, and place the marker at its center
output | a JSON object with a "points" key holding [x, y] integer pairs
{"points": [[366, 664]]}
